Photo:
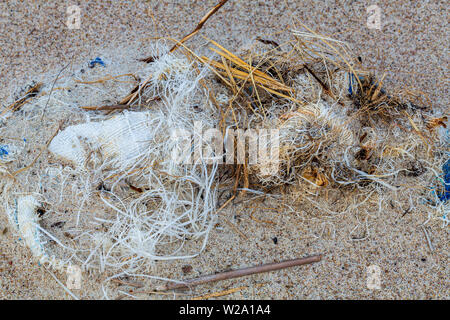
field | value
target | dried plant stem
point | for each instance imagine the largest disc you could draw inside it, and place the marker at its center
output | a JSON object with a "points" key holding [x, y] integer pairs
{"points": [[196, 30], [220, 294], [236, 229], [40, 153], [19, 103], [107, 78], [108, 107], [240, 273], [225, 204], [130, 98], [428, 238]]}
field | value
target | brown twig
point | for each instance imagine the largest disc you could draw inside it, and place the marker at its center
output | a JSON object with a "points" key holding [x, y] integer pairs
{"points": [[236, 229], [131, 284], [268, 42], [225, 204], [219, 294], [51, 90], [32, 92], [40, 153], [193, 33], [240, 273], [323, 85], [108, 107]]}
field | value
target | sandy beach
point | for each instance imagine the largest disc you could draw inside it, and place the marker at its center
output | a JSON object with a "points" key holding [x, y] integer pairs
{"points": [[411, 49]]}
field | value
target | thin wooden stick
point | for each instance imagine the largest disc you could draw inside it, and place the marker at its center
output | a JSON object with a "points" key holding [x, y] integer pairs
{"points": [[219, 294], [108, 107], [19, 103], [196, 30], [428, 238], [107, 78], [225, 204], [240, 273], [236, 229], [40, 153]]}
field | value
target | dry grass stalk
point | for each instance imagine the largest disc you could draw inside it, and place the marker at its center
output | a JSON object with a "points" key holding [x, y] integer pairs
{"points": [[194, 32], [247, 73], [32, 92], [106, 108], [220, 294], [108, 78], [40, 153]]}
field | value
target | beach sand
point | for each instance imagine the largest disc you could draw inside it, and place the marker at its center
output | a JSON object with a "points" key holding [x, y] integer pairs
{"points": [[410, 47]]}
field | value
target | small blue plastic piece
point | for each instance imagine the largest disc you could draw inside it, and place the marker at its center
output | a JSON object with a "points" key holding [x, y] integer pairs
{"points": [[3, 151], [97, 60], [350, 80], [444, 196]]}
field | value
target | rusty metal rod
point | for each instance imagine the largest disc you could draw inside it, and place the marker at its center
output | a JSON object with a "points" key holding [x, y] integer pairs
{"points": [[240, 273]]}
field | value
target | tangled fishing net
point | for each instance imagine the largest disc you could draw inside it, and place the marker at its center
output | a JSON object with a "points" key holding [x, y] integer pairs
{"points": [[96, 184], [112, 181]]}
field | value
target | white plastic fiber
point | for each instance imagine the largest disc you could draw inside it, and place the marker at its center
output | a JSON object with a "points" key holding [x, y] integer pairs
{"points": [[120, 139]]}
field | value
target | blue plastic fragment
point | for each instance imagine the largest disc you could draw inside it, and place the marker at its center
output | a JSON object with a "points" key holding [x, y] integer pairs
{"points": [[350, 80], [3, 151], [445, 195], [97, 60]]}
